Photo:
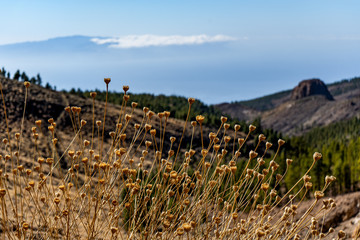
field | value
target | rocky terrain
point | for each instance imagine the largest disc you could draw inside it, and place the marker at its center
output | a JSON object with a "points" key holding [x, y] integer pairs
{"points": [[310, 104]]}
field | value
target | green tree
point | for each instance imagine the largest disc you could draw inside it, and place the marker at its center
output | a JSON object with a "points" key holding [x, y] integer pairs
{"points": [[24, 77], [17, 75], [38, 79]]}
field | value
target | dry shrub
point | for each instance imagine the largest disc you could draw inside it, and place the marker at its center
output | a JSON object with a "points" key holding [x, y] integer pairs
{"points": [[107, 193]]}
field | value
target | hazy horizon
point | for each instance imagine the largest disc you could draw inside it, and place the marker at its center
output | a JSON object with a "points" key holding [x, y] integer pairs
{"points": [[214, 51]]}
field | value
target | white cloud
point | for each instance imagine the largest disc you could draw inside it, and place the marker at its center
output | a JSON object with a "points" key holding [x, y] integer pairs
{"points": [[138, 41]]}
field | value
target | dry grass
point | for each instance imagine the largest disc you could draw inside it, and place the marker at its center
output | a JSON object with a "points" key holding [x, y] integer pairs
{"points": [[107, 193]]}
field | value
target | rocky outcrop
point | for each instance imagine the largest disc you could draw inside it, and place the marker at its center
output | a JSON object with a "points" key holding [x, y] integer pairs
{"points": [[311, 87]]}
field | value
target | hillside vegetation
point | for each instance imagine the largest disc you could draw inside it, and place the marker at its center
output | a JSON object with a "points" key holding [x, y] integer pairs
{"points": [[339, 142], [123, 177]]}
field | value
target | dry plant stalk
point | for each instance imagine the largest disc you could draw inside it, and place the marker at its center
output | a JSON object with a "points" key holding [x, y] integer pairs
{"points": [[108, 194]]}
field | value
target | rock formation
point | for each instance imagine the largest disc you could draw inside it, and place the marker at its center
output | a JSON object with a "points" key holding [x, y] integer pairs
{"points": [[311, 87]]}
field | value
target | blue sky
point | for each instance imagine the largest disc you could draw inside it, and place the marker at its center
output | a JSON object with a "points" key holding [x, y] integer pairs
{"points": [[38, 20], [278, 43]]}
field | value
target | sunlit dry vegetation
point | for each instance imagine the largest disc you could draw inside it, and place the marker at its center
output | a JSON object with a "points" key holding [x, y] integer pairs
{"points": [[187, 192]]}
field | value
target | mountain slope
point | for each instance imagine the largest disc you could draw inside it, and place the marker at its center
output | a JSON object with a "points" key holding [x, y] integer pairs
{"points": [[292, 116]]}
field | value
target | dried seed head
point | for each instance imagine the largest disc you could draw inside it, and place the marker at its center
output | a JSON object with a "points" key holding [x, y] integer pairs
{"points": [[161, 115], [145, 109], [62, 187], [167, 114], [252, 154], [180, 231], [341, 234], [127, 117], [237, 127], [308, 185], [265, 186], [86, 143], [85, 160], [171, 193], [114, 230], [107, 80], [134, 104], [187, 227], [56, 200], [147, 127], [212, 136], [98, 123], [207, 165], [289, 161], [153, 132], [27, 84], [241, 141], [93, 94], [212, 183], [171, 153], [126, 88], [329, 179], [148, 144], [281, 142], [318, 195], [25, 226], [17, 136], [166, 224], [317, 156], [126, 97], [51, 128], [2, 192], [49, 161], [307, 178], [204, 152], [193, 123], [261, 137], [200, 119], [273, 193], [191, 100], [260, 233], [123, 137], [251, 128]]}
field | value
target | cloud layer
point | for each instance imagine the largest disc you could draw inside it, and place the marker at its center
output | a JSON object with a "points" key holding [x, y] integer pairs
{"points": [[139, 41]]}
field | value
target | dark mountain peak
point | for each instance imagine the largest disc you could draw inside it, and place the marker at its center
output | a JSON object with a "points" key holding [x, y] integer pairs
{"points": [[311, 87]]}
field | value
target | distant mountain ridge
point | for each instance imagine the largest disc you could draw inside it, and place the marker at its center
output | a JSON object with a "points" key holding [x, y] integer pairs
{"points": [[293, 111]]}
